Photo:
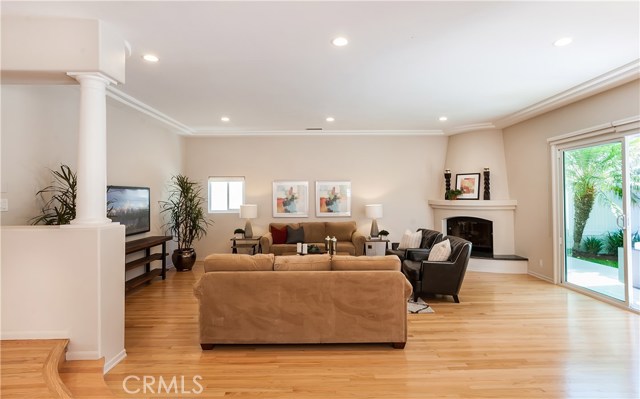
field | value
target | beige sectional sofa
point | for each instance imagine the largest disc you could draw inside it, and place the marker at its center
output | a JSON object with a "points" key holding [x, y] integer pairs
{"points": [[267, 299], [350, 241]]}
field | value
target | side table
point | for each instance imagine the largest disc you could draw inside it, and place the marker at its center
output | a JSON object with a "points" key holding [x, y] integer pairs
{"points": [[375, 247], [252, 244]]}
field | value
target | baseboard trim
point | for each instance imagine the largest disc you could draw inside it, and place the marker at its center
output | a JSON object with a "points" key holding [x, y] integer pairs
{"points": [[108, 365], [83, 355], [34, 335], [540, 276], [498, 266]]}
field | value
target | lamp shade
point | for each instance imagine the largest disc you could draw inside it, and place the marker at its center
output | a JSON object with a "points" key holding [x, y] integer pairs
{"points": [[248, 211], [374, 211]]}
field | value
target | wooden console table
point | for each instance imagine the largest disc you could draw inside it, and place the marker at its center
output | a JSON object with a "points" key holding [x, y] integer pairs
{"points": [[146, 244]]}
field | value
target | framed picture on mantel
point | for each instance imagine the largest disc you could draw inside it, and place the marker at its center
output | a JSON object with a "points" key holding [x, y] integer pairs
{"points": [[469, 184]]}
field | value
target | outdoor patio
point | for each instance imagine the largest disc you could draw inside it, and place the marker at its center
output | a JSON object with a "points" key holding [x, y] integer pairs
{"points": [[600, 278]]}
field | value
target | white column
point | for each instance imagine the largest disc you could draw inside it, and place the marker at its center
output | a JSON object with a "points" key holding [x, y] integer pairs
{"points": [[91, 201]]}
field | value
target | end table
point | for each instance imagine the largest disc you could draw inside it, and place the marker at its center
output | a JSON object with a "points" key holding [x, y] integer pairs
{"points": [[252, 244], [375, 247]]}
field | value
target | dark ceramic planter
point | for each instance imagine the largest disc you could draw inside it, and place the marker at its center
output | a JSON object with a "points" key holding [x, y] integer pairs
{"points": [[184, 259]]}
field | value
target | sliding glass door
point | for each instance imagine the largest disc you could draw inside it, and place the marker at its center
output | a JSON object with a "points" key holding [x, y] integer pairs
{"points": [[633, 166], [593, 212], [600, 196]]}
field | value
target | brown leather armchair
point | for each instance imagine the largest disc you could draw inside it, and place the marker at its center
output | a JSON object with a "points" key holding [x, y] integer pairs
{"points": [[440, 277], [429, 239]]}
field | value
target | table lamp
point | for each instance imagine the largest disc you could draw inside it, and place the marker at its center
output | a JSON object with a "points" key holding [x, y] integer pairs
{"points": [[374, 212], [248, 211]]}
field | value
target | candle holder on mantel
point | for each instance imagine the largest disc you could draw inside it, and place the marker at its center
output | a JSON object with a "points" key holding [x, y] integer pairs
{"points": [[447, 182], [487, 182]]}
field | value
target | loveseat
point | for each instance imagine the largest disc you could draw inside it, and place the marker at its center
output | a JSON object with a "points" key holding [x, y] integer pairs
{"points": [[267, 299], [281, 238]]}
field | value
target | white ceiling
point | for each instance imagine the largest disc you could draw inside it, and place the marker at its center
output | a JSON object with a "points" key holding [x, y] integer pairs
{"points": [[271, 67]]}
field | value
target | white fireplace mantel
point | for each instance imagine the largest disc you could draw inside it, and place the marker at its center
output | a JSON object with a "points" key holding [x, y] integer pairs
{"points": [[500, 212], [490, 205]]}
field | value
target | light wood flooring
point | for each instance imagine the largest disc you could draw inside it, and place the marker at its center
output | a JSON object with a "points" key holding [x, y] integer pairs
{"points": [[512, 336]]}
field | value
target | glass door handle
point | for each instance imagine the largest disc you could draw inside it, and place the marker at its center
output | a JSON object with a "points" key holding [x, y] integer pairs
{"points": [[622, 221]]}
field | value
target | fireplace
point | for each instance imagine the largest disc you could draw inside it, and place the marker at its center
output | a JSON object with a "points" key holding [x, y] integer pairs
{"points": [[478, 231]]}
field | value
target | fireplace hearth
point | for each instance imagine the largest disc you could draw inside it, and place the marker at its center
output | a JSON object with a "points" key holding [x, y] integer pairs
{"points": [[478, 231]]}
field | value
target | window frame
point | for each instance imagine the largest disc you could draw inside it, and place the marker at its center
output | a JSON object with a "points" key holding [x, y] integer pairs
{"points": [[227, 180]]}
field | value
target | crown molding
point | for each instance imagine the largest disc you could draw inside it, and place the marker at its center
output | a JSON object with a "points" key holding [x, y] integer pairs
{"points": [[136, 104], [611, 79], [470, 128], [203, 131]]}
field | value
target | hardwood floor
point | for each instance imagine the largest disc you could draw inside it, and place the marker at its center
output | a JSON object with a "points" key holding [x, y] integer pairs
{"points": [[29, 369], [512, 336]]}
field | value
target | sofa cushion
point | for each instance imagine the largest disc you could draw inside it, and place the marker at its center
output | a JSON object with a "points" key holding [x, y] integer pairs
{"points": [[345, 262], [342, 231], [440, 252], [279, 234], [295, 235], [284, 249], [238, 262], [314, 231], [302, 263]]}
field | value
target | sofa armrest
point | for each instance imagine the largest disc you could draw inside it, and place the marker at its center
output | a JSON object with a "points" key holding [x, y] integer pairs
{"points": [[266, 241], [358, 239]]}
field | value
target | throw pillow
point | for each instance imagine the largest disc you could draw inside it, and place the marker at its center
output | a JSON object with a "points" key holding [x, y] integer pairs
{"points": [[279, 234], [410, 240], [295, 236], [440, 252]]}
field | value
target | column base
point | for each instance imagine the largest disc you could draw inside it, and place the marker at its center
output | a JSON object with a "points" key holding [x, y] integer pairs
{"points": [[91, 222]]}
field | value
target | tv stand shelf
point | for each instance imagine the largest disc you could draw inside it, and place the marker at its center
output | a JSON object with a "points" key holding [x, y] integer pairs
{"points": [[145, 244]]}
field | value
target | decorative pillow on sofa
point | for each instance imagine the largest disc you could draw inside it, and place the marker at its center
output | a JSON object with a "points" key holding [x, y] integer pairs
{"points": [[410, 240], [279, 234], [440, 252], [295, 236], [302, 263]]}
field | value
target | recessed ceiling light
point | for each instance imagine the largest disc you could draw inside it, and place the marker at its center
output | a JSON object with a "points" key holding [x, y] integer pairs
{"points": [[563, 41], [150, 58], [443, 118], [340, 41], [330, 119], [225, 119]]}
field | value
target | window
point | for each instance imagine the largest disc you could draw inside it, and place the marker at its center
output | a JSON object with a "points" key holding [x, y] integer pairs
{"points": [[226, 194]]}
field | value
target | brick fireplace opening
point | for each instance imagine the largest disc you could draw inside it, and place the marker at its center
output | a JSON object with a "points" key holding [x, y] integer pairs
{"points": [[478, 231]]}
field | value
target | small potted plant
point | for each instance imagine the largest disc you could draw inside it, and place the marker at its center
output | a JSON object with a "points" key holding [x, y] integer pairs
{"points": [[452, 194], [239, 233], [383, 234]]}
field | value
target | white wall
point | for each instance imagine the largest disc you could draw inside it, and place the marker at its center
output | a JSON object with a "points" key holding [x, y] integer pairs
{"points": [[65, 282], [529, 165], [472, 152], [40, 129], [401, 173]]}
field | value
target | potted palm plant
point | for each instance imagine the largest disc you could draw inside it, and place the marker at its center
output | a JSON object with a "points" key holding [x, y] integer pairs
{"points": [[60, 208], [185, 219]]}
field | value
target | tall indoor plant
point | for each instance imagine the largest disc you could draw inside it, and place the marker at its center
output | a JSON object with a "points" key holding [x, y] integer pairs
{"points": [[185, 219], [59, 198]]}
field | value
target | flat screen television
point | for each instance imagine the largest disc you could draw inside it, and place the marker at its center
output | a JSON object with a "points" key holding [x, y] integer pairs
{"points": [[131, 206]]}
